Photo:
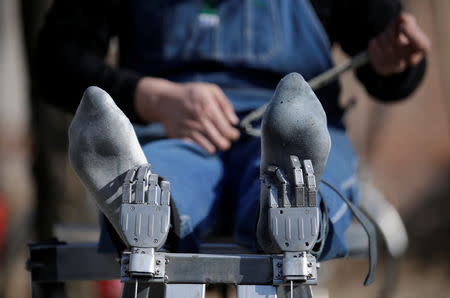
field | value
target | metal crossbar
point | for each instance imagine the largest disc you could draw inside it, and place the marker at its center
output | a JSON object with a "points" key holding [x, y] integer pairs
{"points": [[69, 262], [53, 264]]}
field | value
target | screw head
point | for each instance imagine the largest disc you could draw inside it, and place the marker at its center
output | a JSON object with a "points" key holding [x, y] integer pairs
{"points": [[157, 271], [155, 241], [279, 265], [158, 262]]}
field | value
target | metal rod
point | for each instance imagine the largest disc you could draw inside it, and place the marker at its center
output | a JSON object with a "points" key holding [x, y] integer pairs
{"points": [[334, 73], [315, 83], [136, 289], [292, 289], [60, 262]]}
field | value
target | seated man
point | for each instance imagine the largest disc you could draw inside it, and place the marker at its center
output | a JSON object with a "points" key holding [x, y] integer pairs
{"points": [[196, 67]]}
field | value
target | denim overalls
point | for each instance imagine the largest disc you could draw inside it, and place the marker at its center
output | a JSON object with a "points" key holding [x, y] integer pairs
{"points": [[244, 46]]}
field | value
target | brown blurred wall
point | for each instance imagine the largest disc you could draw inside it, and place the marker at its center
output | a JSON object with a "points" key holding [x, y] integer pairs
{"points": [[406, 146]]}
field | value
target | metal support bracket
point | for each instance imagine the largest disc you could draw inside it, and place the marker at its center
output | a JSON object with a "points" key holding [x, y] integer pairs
{"points": [[156, 261], [299, 267]]}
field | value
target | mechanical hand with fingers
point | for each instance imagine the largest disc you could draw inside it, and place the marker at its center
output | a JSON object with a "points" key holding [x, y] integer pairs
{"points": [[145, 219], [294, 219]]}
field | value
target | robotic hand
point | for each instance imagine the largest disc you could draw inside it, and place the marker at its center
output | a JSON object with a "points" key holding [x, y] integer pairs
{"points": [[145, 219], [295, 147], [294, 218]]}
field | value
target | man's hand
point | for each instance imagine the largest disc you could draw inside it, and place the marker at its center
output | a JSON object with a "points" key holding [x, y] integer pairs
{"points": [[196, 112], [403, 44]]}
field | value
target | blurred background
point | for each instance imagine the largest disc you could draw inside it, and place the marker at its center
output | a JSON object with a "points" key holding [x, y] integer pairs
{"points": [[404, 151]]}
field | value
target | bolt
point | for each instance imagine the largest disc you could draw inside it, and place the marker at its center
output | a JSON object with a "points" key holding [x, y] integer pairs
{"points": [[158, 262], [157, 272], [279, 265], [310, 276], [309, 264], [132, 208], [155, 240], [278, 275]]}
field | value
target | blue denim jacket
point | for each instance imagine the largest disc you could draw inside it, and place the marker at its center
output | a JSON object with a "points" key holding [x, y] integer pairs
{"points": [[251, 42]]}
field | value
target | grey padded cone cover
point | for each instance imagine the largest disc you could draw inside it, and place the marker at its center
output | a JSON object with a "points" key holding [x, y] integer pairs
{"points": [[294, 123], [102, 148]]}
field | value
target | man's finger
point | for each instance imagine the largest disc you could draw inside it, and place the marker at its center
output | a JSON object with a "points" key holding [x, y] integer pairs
{"points": [[417, 39], [214, 136], [394, 56], [224, 126], [415, 58], [226, 106], [387, 49], [375, 54]]}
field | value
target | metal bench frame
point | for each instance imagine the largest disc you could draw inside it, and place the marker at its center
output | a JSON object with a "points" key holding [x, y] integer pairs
{"points": [[52, 264]]}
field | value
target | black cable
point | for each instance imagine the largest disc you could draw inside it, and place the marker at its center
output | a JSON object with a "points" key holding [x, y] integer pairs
{"points": [[369, 227], [324, 228]]}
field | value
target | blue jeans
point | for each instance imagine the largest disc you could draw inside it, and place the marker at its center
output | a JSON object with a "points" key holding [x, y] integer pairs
{"points": [[200, 182]]}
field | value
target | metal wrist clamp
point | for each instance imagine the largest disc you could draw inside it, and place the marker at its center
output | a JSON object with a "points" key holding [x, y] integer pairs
{"points": [[293, 222], [145, 220]]}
